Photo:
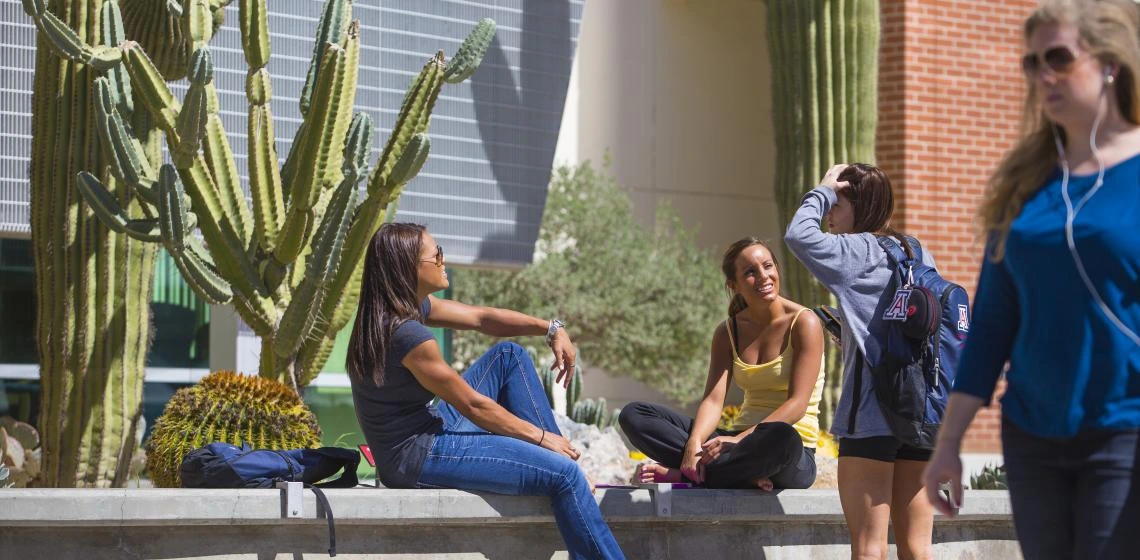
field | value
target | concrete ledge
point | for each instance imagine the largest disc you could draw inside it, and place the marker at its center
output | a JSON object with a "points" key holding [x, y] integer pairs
{"points": [[384, 523], [50, 507]]}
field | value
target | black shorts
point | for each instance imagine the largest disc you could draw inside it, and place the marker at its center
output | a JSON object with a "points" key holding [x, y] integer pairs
{"points": [[882, 448]]}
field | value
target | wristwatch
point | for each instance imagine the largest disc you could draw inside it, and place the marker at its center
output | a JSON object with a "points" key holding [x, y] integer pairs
{"points": [[555, 324]]}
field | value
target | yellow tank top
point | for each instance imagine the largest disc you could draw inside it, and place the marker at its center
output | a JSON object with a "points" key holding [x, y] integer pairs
{"points": [[765, 388]]}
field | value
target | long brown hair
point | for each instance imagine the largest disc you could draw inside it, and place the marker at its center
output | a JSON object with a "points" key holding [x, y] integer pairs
{"points": [[873, 201], [387, 297], [1110, 31], [728, 267]]}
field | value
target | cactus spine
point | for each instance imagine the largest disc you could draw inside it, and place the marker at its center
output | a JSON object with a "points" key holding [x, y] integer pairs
{"points": [[93, 284], [824, 58], [291, 265]]}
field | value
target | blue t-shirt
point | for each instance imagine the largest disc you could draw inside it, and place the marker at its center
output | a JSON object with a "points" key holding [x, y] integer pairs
{"points": [[397, 421], [1071, 370]]}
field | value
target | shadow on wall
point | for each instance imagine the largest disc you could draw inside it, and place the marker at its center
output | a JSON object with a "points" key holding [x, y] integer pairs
{"points": [[519, 120]]}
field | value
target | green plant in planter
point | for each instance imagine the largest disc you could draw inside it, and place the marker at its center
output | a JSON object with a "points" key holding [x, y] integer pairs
{"points": [[992, 477], [594, 412], [232, 408]]}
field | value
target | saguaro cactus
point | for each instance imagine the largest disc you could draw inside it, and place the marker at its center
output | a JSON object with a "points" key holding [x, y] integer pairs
{"points": [[291, 267], [93, 286], [824, 56]]}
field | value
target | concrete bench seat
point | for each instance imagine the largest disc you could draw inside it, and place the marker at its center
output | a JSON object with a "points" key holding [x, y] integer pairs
{"points": [[387, 523]]}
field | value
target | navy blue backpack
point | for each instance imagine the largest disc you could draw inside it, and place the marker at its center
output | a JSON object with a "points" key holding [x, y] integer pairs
{"points": [[222, 465], [916, 338]]}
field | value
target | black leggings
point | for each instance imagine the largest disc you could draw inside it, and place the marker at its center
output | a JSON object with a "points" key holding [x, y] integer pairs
{"points": [[773, 450]]}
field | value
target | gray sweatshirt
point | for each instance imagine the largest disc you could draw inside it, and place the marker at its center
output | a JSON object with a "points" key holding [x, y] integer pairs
{"points": [[856, 269]]}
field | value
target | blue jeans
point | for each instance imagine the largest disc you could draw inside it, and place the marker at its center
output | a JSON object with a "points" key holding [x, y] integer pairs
{"points": [[1075, 497], [468, 457]]}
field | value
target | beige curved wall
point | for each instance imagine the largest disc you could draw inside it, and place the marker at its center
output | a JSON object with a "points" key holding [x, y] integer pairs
{"points": [[678, 92]]}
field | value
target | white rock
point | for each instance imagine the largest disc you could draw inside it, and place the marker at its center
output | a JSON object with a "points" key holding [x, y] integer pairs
{"points": [[605, 458]]}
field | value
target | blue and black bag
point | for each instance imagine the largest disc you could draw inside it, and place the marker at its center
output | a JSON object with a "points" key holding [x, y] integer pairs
{"points": [[222, 465], [915, 341]]}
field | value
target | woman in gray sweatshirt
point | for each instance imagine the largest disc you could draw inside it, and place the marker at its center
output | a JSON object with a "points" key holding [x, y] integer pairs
{"points": [[880, 479]]}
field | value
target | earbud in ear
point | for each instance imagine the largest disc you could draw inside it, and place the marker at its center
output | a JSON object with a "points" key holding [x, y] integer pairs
{"points": [[1109, 74]]}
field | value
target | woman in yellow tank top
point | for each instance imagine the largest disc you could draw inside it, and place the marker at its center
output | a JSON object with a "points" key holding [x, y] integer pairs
{"points": [[773, 351]]}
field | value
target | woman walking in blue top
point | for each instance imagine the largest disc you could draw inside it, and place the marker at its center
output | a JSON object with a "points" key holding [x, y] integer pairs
{"points": [[1059, 293], [494, 430]]}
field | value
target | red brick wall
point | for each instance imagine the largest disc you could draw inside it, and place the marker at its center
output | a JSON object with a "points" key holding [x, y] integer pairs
{"points": [[950, 102]]}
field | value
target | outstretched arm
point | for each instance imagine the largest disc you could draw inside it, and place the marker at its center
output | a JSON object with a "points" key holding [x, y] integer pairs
{"points": [[501, 323], [428, 367]]}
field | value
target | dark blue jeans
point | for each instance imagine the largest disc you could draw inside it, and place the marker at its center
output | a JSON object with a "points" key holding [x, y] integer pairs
{"points": [[468, 457], [1075, 497]]}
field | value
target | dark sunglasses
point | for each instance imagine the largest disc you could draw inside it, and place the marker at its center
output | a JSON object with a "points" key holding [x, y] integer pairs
{"points": [[1059, 61], [437, 258]]}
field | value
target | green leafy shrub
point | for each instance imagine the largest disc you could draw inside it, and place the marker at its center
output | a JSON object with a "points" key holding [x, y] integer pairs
{"points": [[639, 301]]}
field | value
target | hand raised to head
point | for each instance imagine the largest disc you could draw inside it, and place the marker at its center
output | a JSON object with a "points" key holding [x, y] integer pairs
{"points": [[831, 178]]}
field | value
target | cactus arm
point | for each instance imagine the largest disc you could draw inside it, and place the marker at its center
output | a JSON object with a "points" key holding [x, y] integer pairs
{"points": [[408, 166], [201, 276], [358, 147], [223, 169], [470, 53], [152, 89], [226, 243], [312, 356], [305, 308], [128, 161], [198, 23], [111, 20], [304, 186], [254, 25], [408, 123], [66, 43], [172, 210], [35, 8], [191, 121], [199, 125], [331, 28], [264, 174], [321, 158], [106, 207]]}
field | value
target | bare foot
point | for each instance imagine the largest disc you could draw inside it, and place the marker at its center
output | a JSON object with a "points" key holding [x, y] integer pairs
{"points": [[655, 472], [764, 484]]}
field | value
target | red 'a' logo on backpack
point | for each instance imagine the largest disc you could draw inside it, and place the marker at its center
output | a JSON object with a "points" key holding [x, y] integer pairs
{"points": [[898, 308]]}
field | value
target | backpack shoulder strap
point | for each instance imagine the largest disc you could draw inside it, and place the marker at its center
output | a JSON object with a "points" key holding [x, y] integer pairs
{"points": [[895, 252]]}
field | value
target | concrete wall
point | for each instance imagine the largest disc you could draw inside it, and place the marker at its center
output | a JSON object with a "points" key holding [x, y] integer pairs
{"points": [[375, 524], [679, 94]]}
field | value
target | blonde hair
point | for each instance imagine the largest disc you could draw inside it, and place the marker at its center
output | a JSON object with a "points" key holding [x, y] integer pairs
{"points": [[1110, 31]]}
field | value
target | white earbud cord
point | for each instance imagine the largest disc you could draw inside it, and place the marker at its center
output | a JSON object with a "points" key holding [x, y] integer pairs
{"points": [[1071, 216]]}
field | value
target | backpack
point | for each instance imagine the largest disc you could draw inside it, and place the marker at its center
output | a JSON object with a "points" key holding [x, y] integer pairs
{"points": [[222, 465], [916, 338]]}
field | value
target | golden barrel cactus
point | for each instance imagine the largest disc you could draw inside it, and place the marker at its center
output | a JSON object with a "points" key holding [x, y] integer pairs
{"points": [[228, 407]]}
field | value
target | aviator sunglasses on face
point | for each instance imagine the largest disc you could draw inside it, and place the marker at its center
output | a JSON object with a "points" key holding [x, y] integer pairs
{"points": [[437, 258], [1058, 60]]}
